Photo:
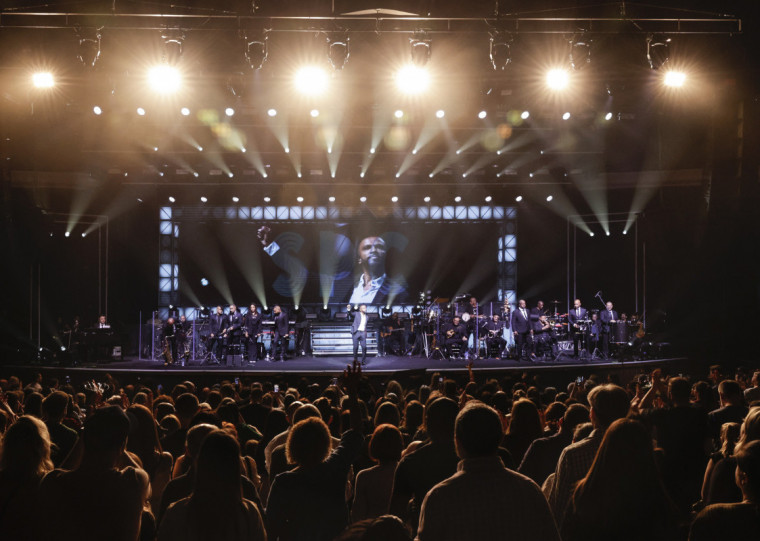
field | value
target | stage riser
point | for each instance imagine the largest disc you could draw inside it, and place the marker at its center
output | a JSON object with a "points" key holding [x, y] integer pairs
{"points": [[328, 340]]}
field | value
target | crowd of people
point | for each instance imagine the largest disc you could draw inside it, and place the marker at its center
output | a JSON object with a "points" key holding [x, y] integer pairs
{"points": [[663, 458]]}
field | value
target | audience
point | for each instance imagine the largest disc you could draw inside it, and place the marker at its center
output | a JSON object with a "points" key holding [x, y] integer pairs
{"points": [[524, 427], [374, 485]]}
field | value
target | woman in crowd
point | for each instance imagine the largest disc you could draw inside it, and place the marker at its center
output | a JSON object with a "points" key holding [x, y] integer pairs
{"points": [[374, 485], [524, 427], [144, 442]]}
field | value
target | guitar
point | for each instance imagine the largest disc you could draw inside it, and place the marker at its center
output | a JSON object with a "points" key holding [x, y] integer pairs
{"points": [[389, 332]]}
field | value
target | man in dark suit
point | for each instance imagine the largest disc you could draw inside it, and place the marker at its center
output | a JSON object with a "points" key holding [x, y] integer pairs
{"points": [[234, 326], [252, 330], [217, 324], [522, 329], [359, 333], [574, 318], [607, 317], [280, 338]]}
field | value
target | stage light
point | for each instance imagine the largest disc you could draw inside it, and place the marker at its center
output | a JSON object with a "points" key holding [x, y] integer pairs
{"points": [[608, 116], [431, 175], [607, 233], [625, 231], [338, 51], [195, 174], [458, 198], [89, 48], [518, 198], [160, 173], [67, 234], [97, 110], [272, 112], [549, 197], [488, 199], [464, 175], [314, 113], [229, 111], [141, 111], [557, 79], [172, 199], [84, 235], [230, 174], [591, 234], [482, 115], [173, 42], [674, 79], [361, 174], [414, 151], [299, 199], [43, 80], [658, 51], [399, 113], [204, 199], [287, 150], [500, 50], [235, 199], [398, 175], [412, 79], [311, 80], [256, 50], [363, 199], [204, 282], [372, 151], [164, 79], [420, 49], [155, 149], [394, 199], [185, 111], [267, 199], [525, 115], [440, 113], [299, 175], [566, 116], [331, 199], [580, 52], [427, 199]]}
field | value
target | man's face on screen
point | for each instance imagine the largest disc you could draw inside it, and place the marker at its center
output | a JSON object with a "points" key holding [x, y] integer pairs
{"points": [[372, 254]]}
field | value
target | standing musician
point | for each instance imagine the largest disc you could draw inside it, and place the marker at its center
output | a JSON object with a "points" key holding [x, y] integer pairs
{"points": [[473, 320], [521, 329], [455, 333], [393, 336], [493, 329], [169, 334], [233, 331], [252, 331], [359, 333], [280, 337], [217, 324], [574, 318], [183, 344], [594, 332], [608, 317]]}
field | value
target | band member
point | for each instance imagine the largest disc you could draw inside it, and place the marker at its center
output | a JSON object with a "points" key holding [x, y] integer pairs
{"points": [[393, 336], [359, 333], [608, 317], [576, 318], [455, 333], [217, 324], [252, 331], [169, 336], [280, 337], [594, 331], [233, 331], [102, 323], [521, 330], [184, 329], [493, 329], [474, 317], [541, 330]]}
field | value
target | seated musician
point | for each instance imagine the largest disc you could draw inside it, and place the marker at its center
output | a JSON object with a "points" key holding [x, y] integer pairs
{"points": [[392, 335], [594, 332], [102, 323], [542, 336], [493, 329], [455, 333], [169, 339]]}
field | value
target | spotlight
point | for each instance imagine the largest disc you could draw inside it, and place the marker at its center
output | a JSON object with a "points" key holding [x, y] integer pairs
{"points": [[566, 116], [204, 282], [427, 199], [331, 199], [557, 79], [674, 79], [235, 199], [501, 50], [394, 199], [299, 199], [185, 111], [488, 199], [625, 231], [591, 234], [89, 48], [338, 52], [67, 234], [440, 113], [458, 198], [372, 151], [420, 49], [525, 115], [398, 175], [256, 51], [414, 151], [267, 199], [141, 111], [43, 80], [172, 199], [173, 42], [311, 80], [229, 111], [200, 149], [97, 110], [204, 199], [243, 150], [164, 79], [363, 199], [580, 51], [230, 174], [658, 51], [399, 113], [195, 174], [155, 149], [608, 116], [84, 235], [431, 175], [361, 175], [607, 233], [518, 198], [412, 79], [482, 114], [549, 197], [287, 150], [272, 112], [314, 113], [299, 174]]}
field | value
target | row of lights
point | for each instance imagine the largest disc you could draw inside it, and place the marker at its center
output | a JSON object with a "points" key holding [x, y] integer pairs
{"points": [[363, 199]]}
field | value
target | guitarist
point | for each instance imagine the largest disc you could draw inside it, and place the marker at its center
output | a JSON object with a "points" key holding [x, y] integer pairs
{"points": [[392, 335], [494, 329], [455, 333], [217, 324]]}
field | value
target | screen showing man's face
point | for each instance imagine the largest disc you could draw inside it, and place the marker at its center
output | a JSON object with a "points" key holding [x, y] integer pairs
{"points": [[372, 254]]}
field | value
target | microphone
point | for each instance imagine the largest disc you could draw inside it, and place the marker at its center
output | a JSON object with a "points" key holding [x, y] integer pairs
{"points": [[598, 293]]}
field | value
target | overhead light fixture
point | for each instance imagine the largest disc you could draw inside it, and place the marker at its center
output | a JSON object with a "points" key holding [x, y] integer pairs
{"points": [[185, 111], [519, 198], [458, 198], [427, 199], [272, 112], [608, 116], [43, 79], [440, 113], [488, 199], [299, 199], [565, 116], [674, 79], [482, 114], [420, 49], [314, 113], [549, 198], [394, 199], [331, 199], [525, 115], [363, 199], [204, 199], [141, 111], [338, 51], [97, 110], [658, 50], [412, 79], [557, 79], [235, 199], [164, 79], [229, 111], [256, 50], [173, 44], [267, 199], [580, 51], [172, 199], [399, 113], [89, 47], [311, 80], [500, 50]]}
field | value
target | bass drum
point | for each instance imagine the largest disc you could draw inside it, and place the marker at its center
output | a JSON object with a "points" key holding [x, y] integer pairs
{"points": [[620, 332]]}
